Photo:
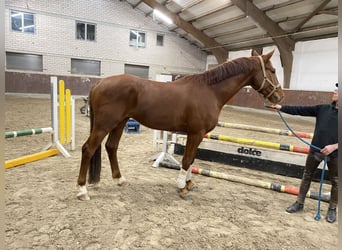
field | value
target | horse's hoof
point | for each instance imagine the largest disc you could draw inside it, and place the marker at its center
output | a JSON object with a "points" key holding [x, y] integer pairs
{"points": [[184, 194], [83, 197], [190, 186], [123, 184]]}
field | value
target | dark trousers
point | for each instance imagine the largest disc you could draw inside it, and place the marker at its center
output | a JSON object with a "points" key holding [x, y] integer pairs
{"points": [[312, 161]]}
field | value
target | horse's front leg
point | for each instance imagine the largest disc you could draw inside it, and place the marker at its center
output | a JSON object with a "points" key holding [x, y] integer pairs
{"points": [[184, 178], [112, 145]]}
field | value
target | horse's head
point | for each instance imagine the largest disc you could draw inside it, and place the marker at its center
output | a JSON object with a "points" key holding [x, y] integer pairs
{"points": [[265, 80]]}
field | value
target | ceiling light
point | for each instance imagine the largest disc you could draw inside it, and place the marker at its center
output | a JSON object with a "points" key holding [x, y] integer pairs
{"points": [[162, 16]]}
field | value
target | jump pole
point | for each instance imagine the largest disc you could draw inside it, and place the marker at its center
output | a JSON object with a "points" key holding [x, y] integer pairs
{"points": [[35, 131], [264, 129], [247, 181], [265, 144], [33, 157], [30, 158]]}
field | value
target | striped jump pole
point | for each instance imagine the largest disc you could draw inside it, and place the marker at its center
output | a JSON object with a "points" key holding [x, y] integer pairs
{"points": [[265, 130], [264, 144], [25, 132], [251, 182]]}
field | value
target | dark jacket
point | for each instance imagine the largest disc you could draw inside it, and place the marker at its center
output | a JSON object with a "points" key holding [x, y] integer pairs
{"points": [[326, 128]]}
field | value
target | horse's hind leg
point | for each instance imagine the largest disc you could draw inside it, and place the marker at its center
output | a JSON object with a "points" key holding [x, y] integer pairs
{"points": [[88, 150], [184, 178], [112, 145]]}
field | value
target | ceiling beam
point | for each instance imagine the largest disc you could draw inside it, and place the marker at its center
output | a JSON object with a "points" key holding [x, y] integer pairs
{"points": [[218, 51], [284, 43], [265, 22], [315, 12]]}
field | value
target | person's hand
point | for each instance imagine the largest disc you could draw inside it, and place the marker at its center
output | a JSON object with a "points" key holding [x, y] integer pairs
{"points": [[328, 149], [274, 106]]}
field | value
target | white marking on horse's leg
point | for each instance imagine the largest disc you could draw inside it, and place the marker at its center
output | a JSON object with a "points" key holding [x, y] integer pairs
{"points": [[189, 184], [122, 181], [83, 194], [181, 178], [189, 174]]}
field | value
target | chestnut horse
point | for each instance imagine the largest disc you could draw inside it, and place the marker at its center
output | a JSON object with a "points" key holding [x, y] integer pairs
{"points": [[190, 105]]}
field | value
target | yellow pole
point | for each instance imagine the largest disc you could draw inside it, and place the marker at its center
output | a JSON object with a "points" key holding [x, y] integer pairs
{"points": [[61, 113], [30, 158], [252, 142], [68, 115]]}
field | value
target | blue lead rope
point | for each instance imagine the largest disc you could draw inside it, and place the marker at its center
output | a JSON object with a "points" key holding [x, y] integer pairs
{"points": [[318, 215]]}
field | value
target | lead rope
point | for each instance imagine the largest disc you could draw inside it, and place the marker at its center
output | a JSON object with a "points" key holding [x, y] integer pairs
{"points": [[318, 214]]}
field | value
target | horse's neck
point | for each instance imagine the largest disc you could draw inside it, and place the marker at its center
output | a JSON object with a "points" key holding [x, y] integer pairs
{"points": [[226, 89]]}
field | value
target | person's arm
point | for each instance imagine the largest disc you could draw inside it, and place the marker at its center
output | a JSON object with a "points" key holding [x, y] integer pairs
{"points": [[328, 149], [296, 110]]}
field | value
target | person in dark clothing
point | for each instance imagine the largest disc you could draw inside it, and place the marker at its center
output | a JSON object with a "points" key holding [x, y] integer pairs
{"points": [[326, 139]]}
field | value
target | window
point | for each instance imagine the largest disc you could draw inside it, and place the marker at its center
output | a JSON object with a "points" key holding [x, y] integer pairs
{"points": [[160, 40], [22, 22], [85, 67], [137, 39], [21, 61], [137, 70], [85, 31]]}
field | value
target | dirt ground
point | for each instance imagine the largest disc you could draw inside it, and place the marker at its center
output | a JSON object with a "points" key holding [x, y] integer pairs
{"points": [[42, 211]]}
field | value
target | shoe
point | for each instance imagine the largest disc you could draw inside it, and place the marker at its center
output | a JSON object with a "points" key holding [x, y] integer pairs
{"points": [[295, 207], [331, 215]]}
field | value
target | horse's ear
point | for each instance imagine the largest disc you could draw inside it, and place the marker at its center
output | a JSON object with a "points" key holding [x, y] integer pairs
{"points": [[267, 56], [255, 53]]}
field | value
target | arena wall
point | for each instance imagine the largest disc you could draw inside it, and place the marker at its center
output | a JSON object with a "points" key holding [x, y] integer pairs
{"points": [[55, 39], [248, 97]]}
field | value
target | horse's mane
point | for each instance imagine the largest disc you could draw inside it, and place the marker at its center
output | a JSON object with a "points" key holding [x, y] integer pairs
{"points": [[225, 70]]}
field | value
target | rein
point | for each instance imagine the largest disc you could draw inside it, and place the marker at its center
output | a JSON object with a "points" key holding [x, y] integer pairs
{"points": [[318, 215], [266, 79]]}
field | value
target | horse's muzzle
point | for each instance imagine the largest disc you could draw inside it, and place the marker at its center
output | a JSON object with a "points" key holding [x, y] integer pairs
{"points": [[276, 97]]}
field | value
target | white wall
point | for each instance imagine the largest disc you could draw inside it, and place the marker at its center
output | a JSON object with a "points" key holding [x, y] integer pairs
{"points": [[55, 38], [315, 64]]}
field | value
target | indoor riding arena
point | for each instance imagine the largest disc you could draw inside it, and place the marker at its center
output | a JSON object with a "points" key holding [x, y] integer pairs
{"points": [[176, 60]]}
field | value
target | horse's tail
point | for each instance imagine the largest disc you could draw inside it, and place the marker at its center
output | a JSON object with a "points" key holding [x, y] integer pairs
{"points": [[95, 161]]}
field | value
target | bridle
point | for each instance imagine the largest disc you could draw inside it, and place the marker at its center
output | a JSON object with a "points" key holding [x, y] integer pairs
{"points": [[266, 80]]}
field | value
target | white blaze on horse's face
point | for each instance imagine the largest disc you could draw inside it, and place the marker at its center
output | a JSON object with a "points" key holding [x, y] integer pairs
{"points": [[269, 86]]}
